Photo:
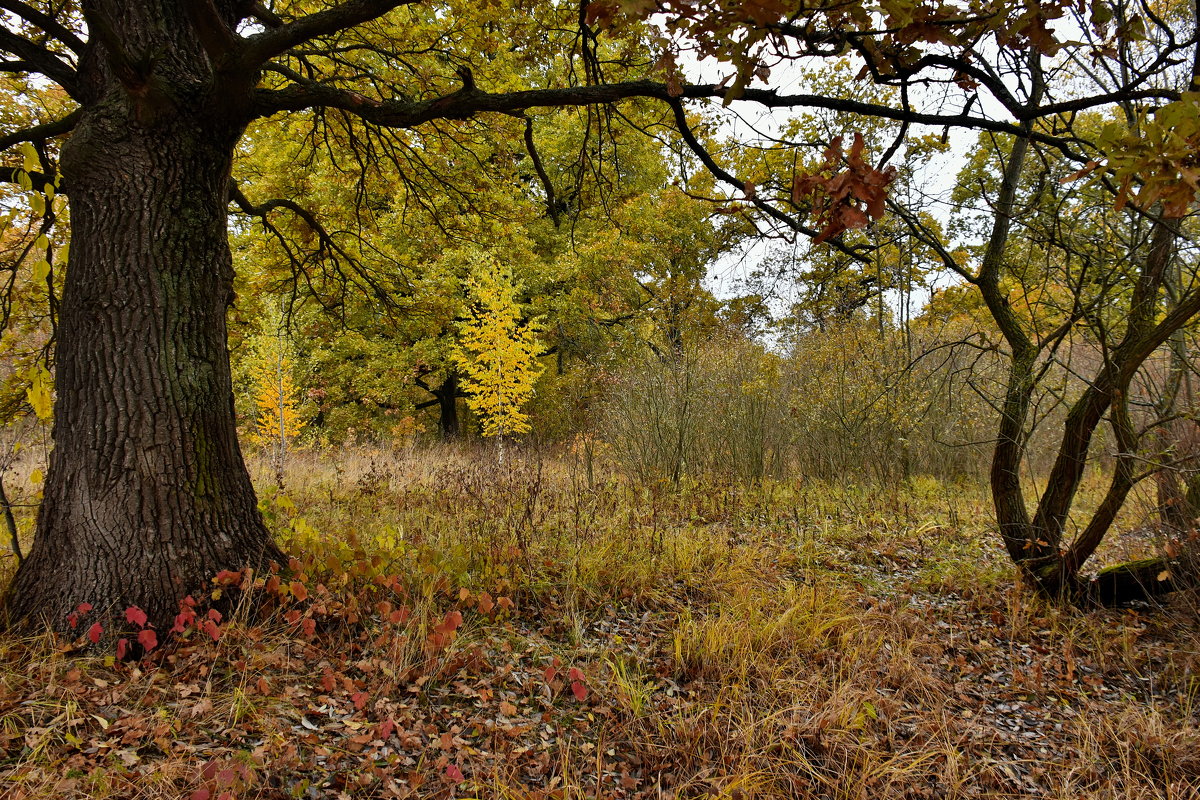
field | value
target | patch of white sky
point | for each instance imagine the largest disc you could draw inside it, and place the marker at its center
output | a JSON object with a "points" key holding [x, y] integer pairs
{"points": [[930, 188], [780, 261]]}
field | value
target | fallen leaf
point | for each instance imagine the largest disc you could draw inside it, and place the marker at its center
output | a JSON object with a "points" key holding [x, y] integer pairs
{"points": [[136, 616]]}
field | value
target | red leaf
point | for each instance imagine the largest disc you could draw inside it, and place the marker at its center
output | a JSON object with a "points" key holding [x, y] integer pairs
{"points": [[834, 151], [148, 639], [299, 590], [853, 218], [830, 230], [201, 794], [83, 608], [136, 616], [360, 700], [227, 577], [1088, 169], [122, 647], [226, 777], [385, 728], [454, 773], [575, 674], [579, 690], [309, 626], [209, 770], [94, 633], [182, 620], [855, 158], [452, 621], [214, 615], [212, 629], [486, 604]]}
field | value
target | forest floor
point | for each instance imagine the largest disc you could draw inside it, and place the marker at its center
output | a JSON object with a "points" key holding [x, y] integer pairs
{"points": [[457, 629]]}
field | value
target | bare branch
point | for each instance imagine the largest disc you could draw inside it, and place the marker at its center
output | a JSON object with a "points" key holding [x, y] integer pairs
{"points": [[327, 243], [265, 15], [47, 23], [40, 133], [468, 102], [42, 60], [547, 184], [262, 47], [721, 174]]}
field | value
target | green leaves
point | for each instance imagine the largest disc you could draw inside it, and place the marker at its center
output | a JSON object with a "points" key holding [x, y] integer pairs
{"points": [[1155, 160]]}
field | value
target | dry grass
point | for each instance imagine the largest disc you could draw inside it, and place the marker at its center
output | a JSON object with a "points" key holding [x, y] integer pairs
{"points": [[784, 640]]}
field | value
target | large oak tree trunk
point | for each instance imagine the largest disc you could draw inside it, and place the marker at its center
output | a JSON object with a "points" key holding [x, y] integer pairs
{"points": [[147, 495], [447, 397]]}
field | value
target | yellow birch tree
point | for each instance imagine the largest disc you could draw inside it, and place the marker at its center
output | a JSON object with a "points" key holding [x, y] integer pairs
{"points": [[497, 352], [278, 422]]}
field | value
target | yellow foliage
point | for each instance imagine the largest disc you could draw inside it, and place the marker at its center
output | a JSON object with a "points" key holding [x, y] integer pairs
{"points": [[497, 350], [278, 422], [38, 393]]}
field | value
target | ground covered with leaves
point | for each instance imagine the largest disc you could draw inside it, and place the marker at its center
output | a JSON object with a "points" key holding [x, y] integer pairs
{"points": [[450, 628]]}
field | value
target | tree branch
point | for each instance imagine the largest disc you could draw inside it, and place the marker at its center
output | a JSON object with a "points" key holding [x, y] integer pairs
{"points": [[41, 59], [326, 242], [265, 15], [40, 133], [547, 184], [721, 174], [47, 23], [215, 36], [468, 102], [262, 47], [133, 75], [12, 175]]}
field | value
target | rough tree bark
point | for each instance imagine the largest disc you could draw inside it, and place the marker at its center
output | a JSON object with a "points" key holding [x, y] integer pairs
{"points": [[147, 495], [447, 397]]}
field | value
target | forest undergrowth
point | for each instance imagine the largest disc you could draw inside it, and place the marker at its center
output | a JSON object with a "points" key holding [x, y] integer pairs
{"points": [[451, 627]]}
